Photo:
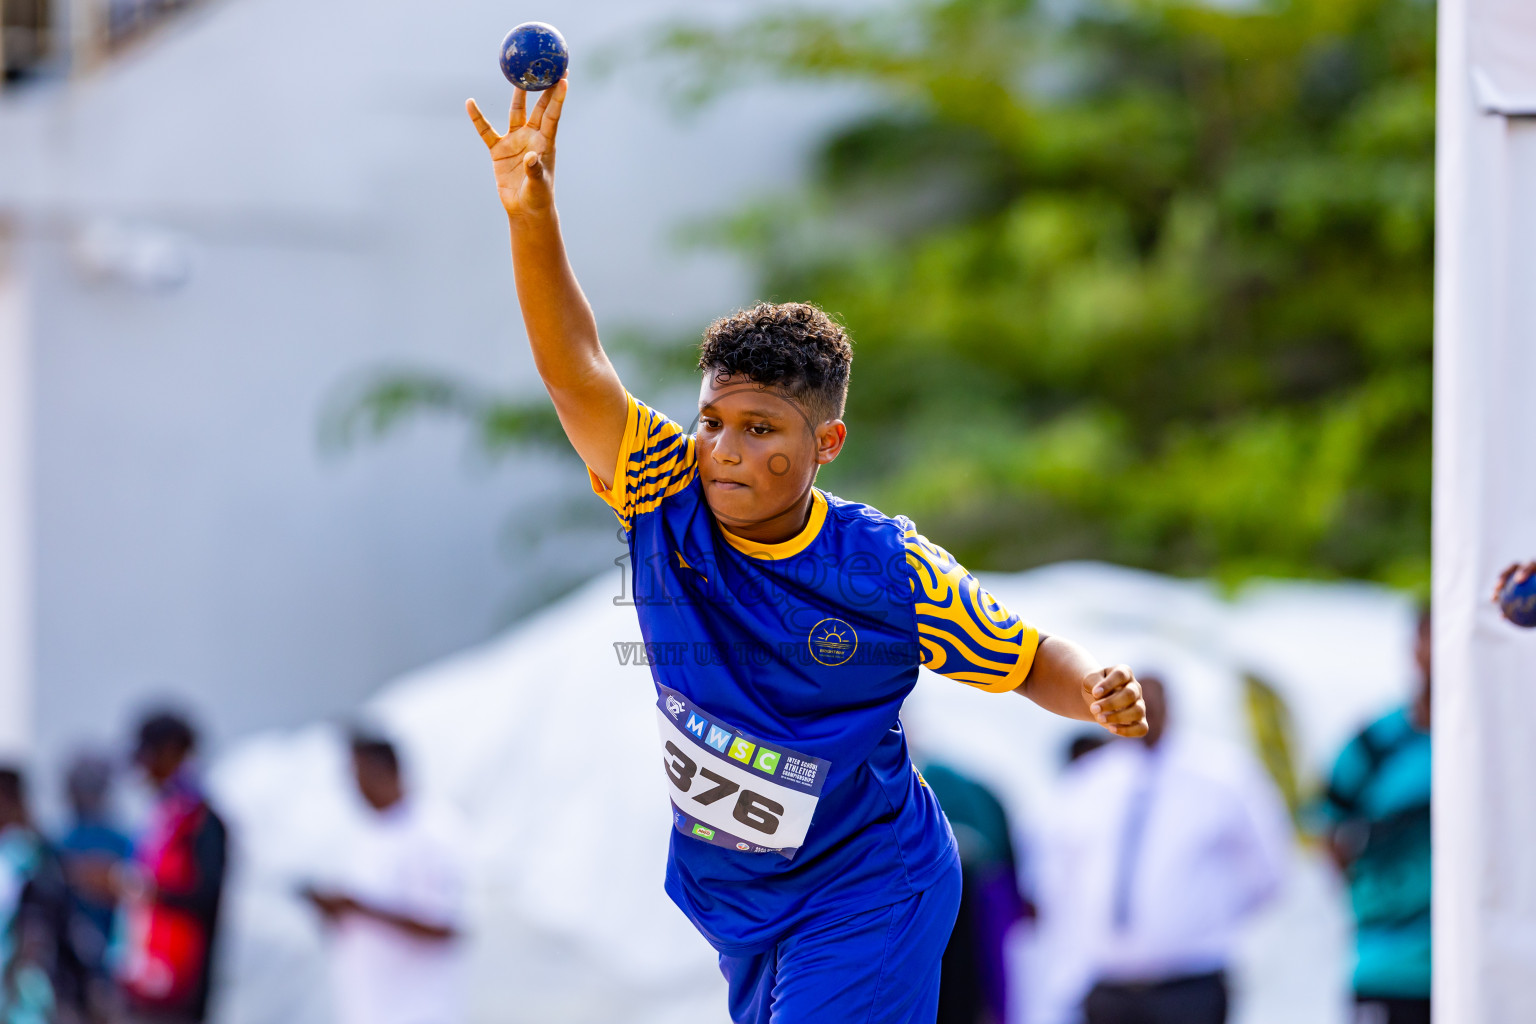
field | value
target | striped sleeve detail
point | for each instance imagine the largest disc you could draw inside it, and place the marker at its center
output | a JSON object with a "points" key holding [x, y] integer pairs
{"points": [[655, 461], [963, 631]]}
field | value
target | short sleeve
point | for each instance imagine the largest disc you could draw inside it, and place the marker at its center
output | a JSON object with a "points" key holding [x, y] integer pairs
{"points": [[964, 632], [656, 460]]}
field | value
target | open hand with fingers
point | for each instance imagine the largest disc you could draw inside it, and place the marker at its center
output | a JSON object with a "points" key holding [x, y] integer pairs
{"points": [[1114, 699], [523, 158]]}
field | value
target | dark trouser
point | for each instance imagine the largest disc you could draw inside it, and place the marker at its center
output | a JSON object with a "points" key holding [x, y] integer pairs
{"points": [[960, 993], [1390, 1010], [1201, 999], [139, 1016]]}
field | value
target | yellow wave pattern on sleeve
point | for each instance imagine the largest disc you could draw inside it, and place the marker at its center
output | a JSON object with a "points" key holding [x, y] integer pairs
{"points": [[656, 460], [964, 632]]}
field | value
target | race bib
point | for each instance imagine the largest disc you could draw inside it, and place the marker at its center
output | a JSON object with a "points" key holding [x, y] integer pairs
{"points": [[732, 790]]}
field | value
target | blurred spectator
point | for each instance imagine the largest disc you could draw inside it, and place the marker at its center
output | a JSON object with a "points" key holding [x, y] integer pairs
{"points": [[93, 845], [1084, 744], [1164, 847], [1378, 805], [33, 911], [396, 923], [172, 890], [974, 982], [26, 37]]}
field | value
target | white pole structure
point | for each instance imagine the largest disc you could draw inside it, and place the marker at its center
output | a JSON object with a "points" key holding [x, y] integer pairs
{"points": [[15, 525], [1484, 512]]}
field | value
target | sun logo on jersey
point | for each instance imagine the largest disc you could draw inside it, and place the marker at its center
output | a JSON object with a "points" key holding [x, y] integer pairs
{"points": [[832, 641]]}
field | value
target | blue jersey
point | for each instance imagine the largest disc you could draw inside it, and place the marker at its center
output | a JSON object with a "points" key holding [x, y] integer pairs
{"points": [[780, 671]]}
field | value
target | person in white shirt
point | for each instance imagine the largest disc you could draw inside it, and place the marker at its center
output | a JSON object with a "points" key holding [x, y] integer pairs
{"points": [[396, 927], [1160, 850]]}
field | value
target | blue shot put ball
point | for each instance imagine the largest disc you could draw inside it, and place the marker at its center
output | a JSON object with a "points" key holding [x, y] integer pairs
{"points": [[534, 56], [1519, 602]]}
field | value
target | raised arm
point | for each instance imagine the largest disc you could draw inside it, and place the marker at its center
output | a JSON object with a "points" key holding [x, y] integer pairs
{"points": [[582, 383]]}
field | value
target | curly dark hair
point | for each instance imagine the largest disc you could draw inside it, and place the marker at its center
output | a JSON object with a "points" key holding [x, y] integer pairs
{"points": [[792, 345]]}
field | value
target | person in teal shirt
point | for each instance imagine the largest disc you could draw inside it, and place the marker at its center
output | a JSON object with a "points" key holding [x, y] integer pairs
{"points": [[32, 910], [1378, 807]]}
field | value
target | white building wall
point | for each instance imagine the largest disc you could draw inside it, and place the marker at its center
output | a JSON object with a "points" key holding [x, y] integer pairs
{"points": [[227, 223]]}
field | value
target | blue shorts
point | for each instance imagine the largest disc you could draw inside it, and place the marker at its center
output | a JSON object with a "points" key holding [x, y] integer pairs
{"points": [[877, 967]]}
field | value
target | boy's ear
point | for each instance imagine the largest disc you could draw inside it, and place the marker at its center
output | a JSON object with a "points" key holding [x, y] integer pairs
{"points": [[829, 441]]}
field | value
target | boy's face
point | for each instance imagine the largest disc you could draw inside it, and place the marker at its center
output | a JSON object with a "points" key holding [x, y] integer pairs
{"points": [[758, 452]]}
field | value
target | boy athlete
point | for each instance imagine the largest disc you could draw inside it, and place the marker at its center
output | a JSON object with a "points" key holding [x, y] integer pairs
{"points": [[785, 627]]}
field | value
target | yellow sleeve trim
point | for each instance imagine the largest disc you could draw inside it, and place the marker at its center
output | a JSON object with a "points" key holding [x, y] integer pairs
{"points": [[935, 659], [656, 461], [964, 632], [617, 493], [1030, 646]]}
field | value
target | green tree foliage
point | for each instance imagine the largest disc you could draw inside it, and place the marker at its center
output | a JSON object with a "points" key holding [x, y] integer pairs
{"points": [[1150, 282], [1138, 280]]}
